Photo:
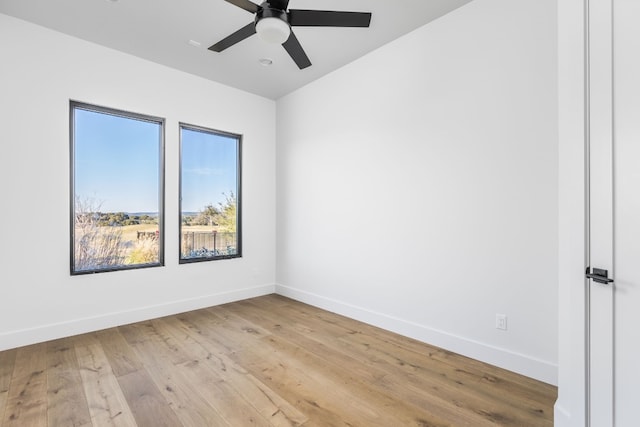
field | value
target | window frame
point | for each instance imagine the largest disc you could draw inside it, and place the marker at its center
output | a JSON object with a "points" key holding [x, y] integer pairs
{"points": [[78, 105], [238, 192]]}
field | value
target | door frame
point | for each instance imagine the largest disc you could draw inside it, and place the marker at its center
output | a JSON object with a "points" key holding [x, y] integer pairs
{"points": [[599, 112], [571, 406]]}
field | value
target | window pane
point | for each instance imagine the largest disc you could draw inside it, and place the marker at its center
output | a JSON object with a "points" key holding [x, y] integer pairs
{"points": [[116, 190], [209, 194]]}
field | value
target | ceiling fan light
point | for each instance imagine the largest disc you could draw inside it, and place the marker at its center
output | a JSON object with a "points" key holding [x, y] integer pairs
{"points": [[273, 30]]}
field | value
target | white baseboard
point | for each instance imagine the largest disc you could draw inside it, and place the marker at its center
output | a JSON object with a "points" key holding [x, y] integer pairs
{"points": [[531, 367], [43, 333], [561, 417]]}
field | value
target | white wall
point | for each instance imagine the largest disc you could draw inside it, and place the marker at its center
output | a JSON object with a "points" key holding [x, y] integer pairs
{"points": [[417, 186], [41, 70]]}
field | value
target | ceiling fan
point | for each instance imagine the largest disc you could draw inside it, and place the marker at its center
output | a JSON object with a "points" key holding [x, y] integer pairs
{"points": [[273, 23]]}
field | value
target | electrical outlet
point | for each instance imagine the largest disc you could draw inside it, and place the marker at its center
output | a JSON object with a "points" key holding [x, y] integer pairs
{"points": [[501, 321]]}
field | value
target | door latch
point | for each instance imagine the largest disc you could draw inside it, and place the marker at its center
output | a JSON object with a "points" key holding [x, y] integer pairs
{"points": [[599, 276]]}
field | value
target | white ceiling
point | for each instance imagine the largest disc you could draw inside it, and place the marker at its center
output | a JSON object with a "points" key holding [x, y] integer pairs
{"points": [[160, 31]]}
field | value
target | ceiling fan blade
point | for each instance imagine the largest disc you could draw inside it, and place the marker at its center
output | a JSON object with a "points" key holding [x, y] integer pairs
{"points": [[243, 33], [279, 4], [328, 18], [295, 50], [245, 4]]}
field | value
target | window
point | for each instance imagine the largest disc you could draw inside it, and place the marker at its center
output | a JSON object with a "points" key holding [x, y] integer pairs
{"points": [[116, 189], [210, 226]]}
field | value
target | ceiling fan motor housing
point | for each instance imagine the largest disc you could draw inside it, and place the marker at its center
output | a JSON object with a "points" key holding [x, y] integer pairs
{"points": [[268, 12], [272, 25]]}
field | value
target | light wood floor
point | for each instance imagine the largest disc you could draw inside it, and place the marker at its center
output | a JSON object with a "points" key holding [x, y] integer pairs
{"points": [[267, 361]]}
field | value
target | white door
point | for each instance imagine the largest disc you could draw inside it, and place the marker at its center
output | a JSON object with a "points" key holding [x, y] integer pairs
{"points": [[627, 212], [614, 212]]}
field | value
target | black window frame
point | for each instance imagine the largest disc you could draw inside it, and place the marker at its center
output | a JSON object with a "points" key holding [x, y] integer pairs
{"points": [[78, 105], [238, 193]]}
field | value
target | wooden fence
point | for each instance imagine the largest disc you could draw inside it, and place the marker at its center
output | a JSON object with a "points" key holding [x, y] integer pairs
{"points": [[210, 242]]}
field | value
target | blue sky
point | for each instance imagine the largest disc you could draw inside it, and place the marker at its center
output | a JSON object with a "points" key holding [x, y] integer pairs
{"points": [[208, 169], [116, 164]]}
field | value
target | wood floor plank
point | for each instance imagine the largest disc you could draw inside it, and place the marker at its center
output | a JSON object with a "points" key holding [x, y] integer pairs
{"points": [[333, 399], [66, 401], [7, 361], [147, 335], [267, 402], [158, 356], [347, 403], [107, 405], [198, 370], [228, 402], [399, 404], [428, 398], [27, 399], [147, 404], [208, 325], [121, 358]]}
